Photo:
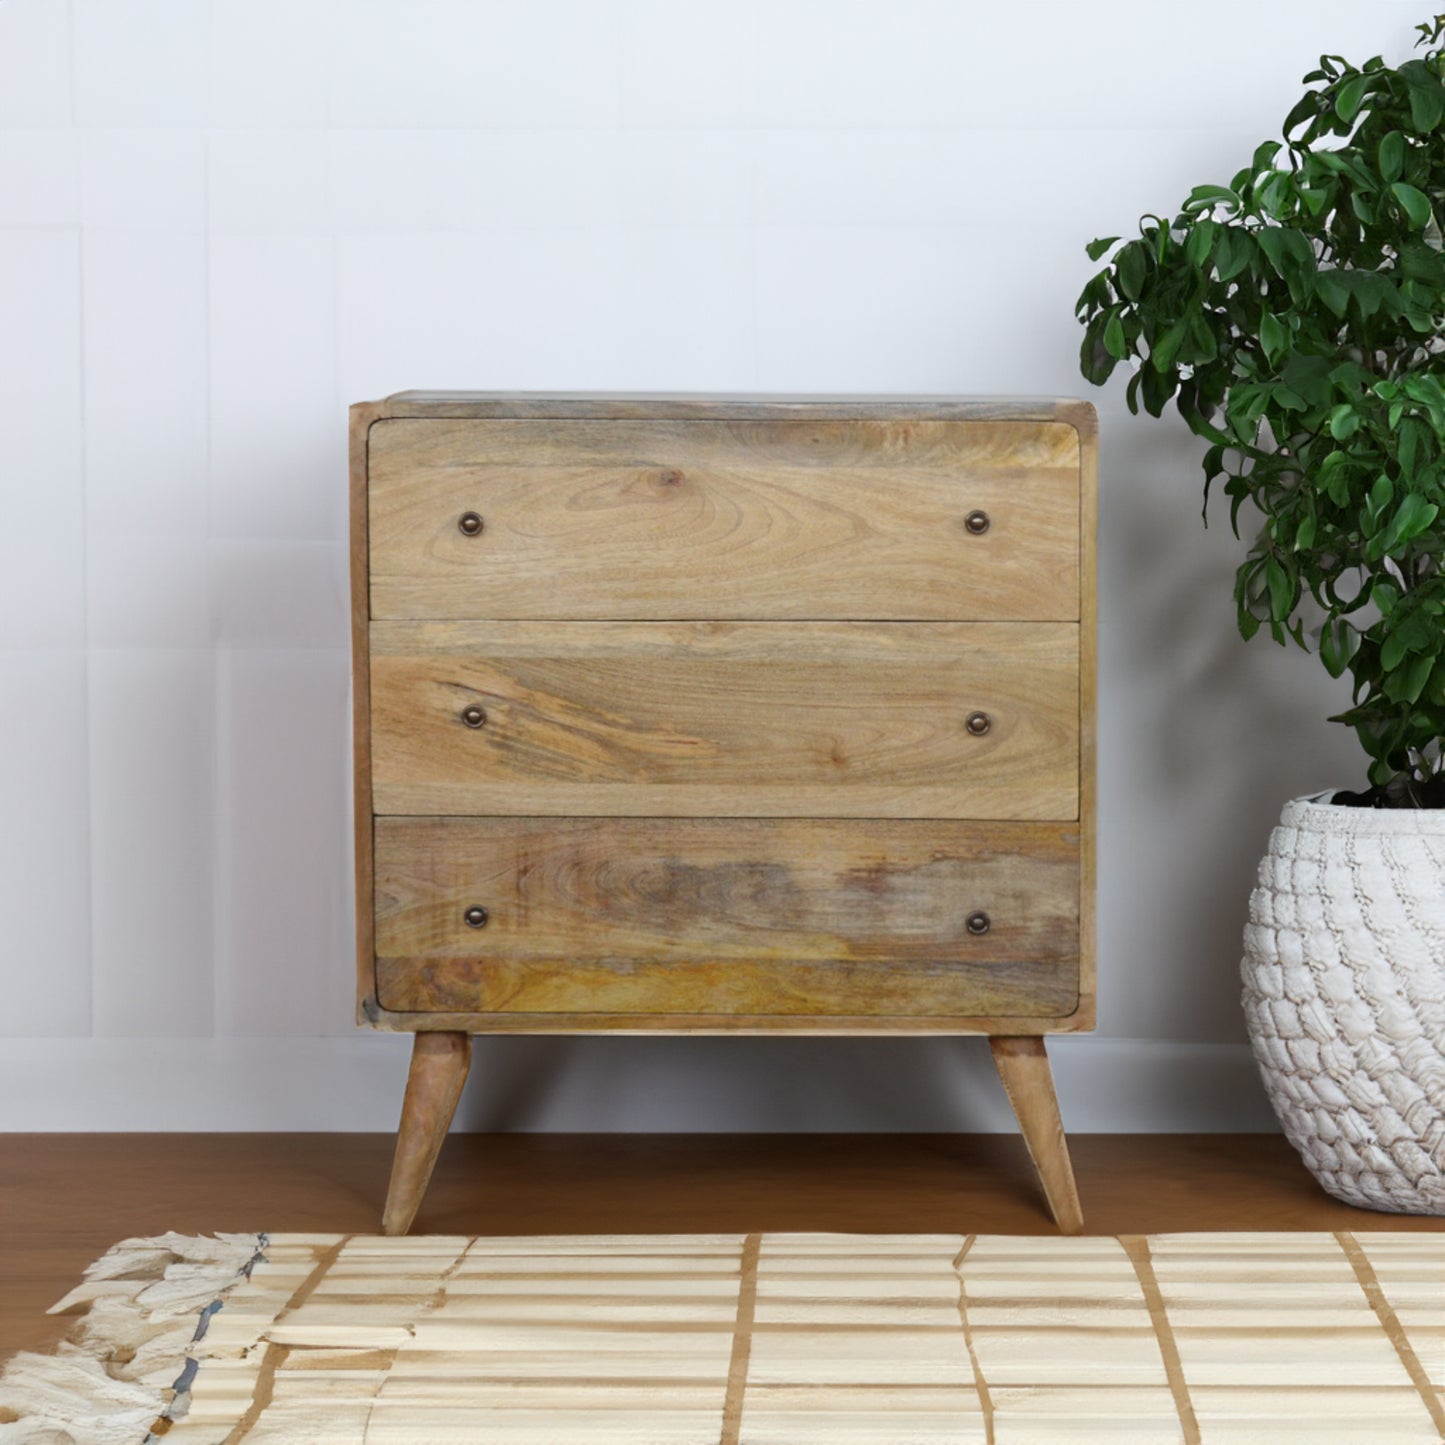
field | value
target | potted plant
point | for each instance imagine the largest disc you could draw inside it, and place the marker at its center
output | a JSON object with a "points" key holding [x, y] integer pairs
{"points": [[1296, 319]]}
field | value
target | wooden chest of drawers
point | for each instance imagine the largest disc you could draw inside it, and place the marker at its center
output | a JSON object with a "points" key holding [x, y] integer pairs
{"points": [[723, 715]]}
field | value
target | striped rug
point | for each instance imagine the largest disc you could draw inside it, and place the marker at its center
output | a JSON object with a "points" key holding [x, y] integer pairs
{"points": [[773, 1339]]}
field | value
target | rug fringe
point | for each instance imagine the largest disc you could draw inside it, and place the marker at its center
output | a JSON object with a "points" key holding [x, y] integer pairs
{"points": [[124, 1367]]}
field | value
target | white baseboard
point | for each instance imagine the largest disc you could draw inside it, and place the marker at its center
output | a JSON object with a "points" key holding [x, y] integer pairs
{"points": [[625, 1085]]}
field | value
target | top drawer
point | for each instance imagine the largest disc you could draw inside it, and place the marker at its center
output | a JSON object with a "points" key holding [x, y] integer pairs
{"points": [[750, 520]]}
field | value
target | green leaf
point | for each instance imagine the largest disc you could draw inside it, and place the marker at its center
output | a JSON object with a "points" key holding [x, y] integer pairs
{"points": [[1334, 290], [1409, 447], [1281, 590], [1339, 642], [1168, 347], [1233, 251], [1200, 242], [1412, 517], [1272, 192], [1382, 493], [1350, 97], [1309, 375], [1427, 95], [1131, 393], [1306, 108], [1158, 387], [1274, 336], [1424, 388], [1412, 681], [1334, 477], [1244, 408], [1204, 198], [1392, 654], [1203, 345], [1272, 241], [1414, 202], [1133, 267], [1344, 422], [1391, 156], [1095, 295], [1343, 162], [1114, 340], [1372, 292], [1096, 249], [1213, 466], [1265, 153], [1094, 362]]}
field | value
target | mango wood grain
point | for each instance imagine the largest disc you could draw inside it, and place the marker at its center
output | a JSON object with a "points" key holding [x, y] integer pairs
{"points": [[1083, 419], [793, 888], [747, 916], [734, 406], [362, 418], [438, 1073], [742, 519], [718, 1025], [824, 719], [702, 988], [664, 488], [1023, 1068]]}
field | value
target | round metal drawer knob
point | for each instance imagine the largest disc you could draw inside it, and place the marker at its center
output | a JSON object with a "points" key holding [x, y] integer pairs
{"points": [[977, 522], [476, 916], [978, 723], [469, 524], [474, 716], [978, 922]]}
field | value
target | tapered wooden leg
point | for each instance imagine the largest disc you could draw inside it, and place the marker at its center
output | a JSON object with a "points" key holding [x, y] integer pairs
{"points": [[439, 1065], [1029, 1083]]}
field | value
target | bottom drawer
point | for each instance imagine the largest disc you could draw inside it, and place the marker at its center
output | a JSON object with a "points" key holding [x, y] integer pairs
{"points": [[728, 916]]}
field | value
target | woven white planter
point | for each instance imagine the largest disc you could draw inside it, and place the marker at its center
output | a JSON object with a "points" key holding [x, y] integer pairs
{"points": [[1344, 993]]}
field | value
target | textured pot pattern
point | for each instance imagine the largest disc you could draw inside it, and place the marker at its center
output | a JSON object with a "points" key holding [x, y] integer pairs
{"points": [[1344, 992]]}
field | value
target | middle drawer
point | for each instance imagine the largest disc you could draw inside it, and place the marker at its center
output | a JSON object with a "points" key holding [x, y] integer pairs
{"points": [[736, 719]]}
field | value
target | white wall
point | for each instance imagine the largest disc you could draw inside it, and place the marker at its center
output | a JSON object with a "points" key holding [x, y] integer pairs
{"points": [[220, 223]]}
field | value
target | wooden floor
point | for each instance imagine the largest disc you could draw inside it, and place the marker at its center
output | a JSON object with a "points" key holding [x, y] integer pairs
{"points": [[65, 1197]]}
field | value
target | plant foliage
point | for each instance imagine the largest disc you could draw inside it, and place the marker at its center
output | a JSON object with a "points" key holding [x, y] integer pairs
{"points": [[1296, 318]]}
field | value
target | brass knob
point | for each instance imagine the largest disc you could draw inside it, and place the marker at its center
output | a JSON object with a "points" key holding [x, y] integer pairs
{"points": [[469, 524], [977, 522], [978, 723], [978, 922], [476, 916], [474, 716]]}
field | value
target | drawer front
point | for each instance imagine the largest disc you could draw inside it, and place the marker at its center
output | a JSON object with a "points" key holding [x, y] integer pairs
{"points": [[791, 917], [747, 519], [830, 719]]}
